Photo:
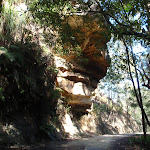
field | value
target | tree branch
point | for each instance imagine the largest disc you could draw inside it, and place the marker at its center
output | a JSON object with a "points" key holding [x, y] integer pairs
{"points": [[144, 70], [1, 1], [141, 76], [125, 31], [139, 99]]}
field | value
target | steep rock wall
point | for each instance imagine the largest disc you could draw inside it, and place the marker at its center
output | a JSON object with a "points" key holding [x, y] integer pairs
{"points": [[78, 76], [87, 112], [102, 118]]}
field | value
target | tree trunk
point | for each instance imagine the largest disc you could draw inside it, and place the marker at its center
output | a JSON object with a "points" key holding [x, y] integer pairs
{"points": [[1, 5], [140, 96], [140, 103]]}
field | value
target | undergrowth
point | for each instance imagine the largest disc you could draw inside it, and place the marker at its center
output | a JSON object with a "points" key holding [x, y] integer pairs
{"points": [[141, 142]]}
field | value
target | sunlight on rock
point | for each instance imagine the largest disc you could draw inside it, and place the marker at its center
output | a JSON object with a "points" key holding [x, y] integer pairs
{"points": [[68, 125], [60, 62], [80, 88], [88, 123], [21, 8]]}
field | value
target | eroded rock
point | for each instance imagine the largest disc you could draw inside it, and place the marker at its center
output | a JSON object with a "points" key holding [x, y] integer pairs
{"points": [[78, 75]]}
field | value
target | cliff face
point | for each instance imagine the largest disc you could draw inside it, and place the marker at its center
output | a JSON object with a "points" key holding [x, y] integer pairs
{"points": [[104, 117], [78, 76]]}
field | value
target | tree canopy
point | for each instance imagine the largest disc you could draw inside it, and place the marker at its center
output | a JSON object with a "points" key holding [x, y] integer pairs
{"points": [[125, 20], [123, 17]]}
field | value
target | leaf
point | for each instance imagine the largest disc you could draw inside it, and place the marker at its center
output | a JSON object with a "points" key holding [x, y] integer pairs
{"points": [[3, 50], [133, 105], [16, 77], [10, 56], [31, 82], [1, 94]]}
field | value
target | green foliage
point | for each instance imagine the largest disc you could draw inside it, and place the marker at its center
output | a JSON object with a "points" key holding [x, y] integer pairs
{"points": [[24, 72], [134, 105], [12, 22], [124, 17], [139, 140], [53, 17], [101, 108], [3, 50], [55, 94], [49, 130], [1, 94], [27, 74], [68, 108], [68, 51], [48, 12], [54, 69]]}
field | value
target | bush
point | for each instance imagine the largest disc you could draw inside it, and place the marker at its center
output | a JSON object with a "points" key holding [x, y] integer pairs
{"points": [[27, 82], [139, 140]]}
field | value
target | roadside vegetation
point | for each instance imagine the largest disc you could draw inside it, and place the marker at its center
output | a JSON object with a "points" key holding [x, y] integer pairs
{"points": [[139, 142]]}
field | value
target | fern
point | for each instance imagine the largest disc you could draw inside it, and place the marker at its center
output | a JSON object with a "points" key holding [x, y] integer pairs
{"points": [[1, 94]]}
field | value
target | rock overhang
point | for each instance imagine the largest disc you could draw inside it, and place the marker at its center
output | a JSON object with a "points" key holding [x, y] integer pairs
{"points": [[79, 79]]}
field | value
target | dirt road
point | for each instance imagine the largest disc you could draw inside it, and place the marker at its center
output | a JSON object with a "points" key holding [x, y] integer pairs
{"points": [[102, 142]]}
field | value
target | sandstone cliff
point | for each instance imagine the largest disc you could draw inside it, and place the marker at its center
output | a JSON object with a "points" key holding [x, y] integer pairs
{"points": [[85, 111], [78, 75]]}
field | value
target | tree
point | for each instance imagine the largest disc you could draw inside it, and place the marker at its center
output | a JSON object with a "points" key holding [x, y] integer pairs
{"points": [[126, 28], [1, 5], [144, 69], [123, 14]]}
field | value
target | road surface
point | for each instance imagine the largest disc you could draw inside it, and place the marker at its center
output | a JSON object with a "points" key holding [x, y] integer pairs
{"points": [[101, 142]]}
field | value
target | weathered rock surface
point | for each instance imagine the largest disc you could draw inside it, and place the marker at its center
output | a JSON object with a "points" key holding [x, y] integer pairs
{"points": [[78, 76], [102, 118]]}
